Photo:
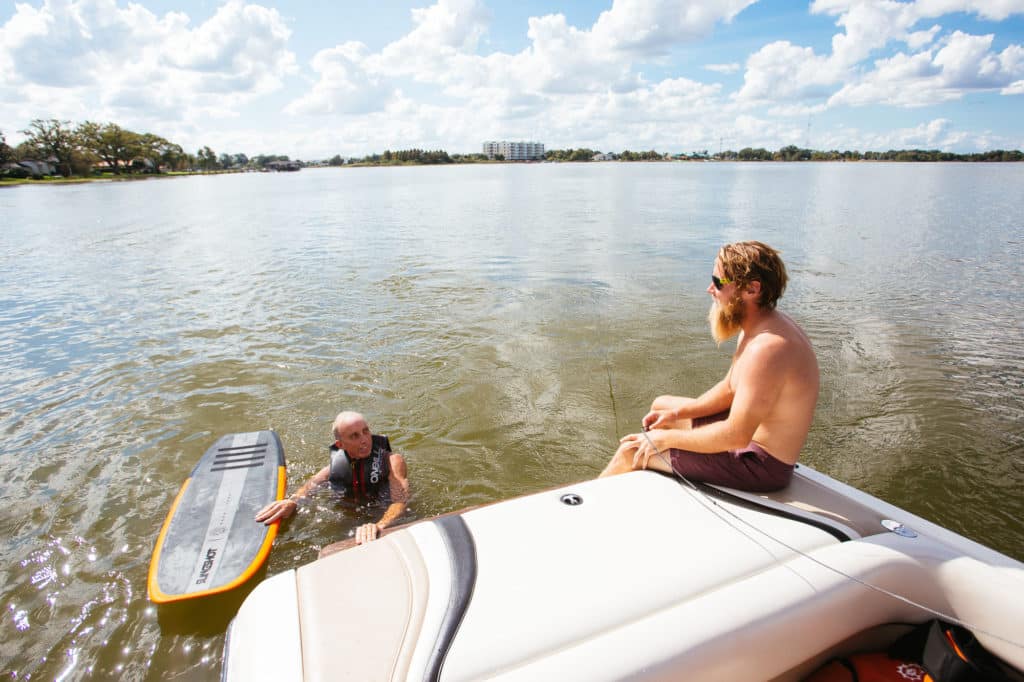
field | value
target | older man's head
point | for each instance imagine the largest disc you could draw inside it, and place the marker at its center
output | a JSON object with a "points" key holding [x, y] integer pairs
{"points": [[353, 434]]}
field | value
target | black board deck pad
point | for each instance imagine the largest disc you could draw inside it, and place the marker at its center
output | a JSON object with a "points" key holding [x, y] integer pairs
{"points": [[209, 543]]}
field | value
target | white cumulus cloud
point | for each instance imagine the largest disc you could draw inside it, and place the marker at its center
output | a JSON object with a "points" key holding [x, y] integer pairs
{"points": [[651, 26], [935, 68], [574, 83], [95, 59], [962, 63], [783, 72], [343, 85], [624, 80]]}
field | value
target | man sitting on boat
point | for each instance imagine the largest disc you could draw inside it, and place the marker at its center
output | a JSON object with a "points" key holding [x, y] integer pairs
{"points": [[747, 430], [364, 467]]}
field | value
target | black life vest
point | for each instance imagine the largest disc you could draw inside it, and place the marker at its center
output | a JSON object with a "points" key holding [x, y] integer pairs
{"points": [[366, 477], [933, 651]]}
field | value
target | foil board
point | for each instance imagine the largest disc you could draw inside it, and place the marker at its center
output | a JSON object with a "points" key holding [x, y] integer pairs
{"points": [[209, 543]]}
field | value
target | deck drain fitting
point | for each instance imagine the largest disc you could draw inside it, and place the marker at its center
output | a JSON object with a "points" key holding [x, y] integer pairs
{"points": [[572, 499], [899, 528]]}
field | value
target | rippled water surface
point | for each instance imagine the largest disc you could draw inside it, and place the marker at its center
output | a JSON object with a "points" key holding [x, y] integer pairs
{"points": [[503, 324]]}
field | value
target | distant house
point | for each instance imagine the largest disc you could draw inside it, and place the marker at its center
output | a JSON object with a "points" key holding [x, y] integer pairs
{"points": [[283, 165], [12, 169], [603, 157], [138, 165], [30, 168]]}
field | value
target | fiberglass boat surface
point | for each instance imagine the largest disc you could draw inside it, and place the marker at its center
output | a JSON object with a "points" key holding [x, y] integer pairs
{"points": [[632, 577]]}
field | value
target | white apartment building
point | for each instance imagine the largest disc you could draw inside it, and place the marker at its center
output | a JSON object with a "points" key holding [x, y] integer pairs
{"points": [[514, 151]]}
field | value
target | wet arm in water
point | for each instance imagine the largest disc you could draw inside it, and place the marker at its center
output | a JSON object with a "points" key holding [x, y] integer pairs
{"points": [[282, 509], [399, 483]]}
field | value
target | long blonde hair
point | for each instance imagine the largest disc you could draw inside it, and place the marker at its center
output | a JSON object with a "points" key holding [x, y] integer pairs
{"points": [[746, 262]]}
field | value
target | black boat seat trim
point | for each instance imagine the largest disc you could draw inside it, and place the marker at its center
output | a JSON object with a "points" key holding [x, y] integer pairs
{"points": [[777, 509], [462, 557]]}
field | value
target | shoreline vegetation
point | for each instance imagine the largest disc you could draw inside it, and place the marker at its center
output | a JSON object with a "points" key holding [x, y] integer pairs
{"points": [[790, 153], [56, 152]]}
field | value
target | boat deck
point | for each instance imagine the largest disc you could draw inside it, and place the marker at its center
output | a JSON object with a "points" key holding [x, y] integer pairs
{"points": [[637, 576]]}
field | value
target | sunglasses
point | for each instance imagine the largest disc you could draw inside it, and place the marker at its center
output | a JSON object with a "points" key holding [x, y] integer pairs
{"points": [[720, 282]]}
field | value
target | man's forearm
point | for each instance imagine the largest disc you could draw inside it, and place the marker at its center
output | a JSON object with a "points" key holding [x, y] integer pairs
{"points": [[315, 480], [716, 399], [716, 437], [301, 492], [394, 510]]}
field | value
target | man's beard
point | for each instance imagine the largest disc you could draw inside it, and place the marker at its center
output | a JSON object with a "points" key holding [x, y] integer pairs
{"points": [[725, 320]]}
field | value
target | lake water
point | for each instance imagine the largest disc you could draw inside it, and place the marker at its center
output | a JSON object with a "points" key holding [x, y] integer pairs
{"points": [[504, 324]]}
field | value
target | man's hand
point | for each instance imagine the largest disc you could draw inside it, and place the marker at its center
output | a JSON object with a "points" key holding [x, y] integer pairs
{"points": [[660, 419], [278, 509], [644, 446], [367, 533]]}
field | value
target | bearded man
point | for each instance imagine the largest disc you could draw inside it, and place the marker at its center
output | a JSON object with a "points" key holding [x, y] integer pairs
{"points": [[747, 430]]}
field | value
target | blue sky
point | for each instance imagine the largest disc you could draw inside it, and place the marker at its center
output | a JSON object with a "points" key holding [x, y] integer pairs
{"points": [[314, 79]]}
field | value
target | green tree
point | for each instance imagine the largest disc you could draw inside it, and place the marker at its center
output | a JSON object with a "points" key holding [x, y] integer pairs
{"points": [[53, 139], [264, 159], [792, 153], [111, 143], [158, 151], [207, 159], [759, 154], [336, 160], [6, 153]]}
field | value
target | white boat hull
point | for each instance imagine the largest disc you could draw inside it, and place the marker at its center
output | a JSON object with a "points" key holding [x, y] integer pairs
{"points": [[644, 578]]}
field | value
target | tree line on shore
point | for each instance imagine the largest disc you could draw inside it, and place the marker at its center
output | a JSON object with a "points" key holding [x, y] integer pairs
{"points": [[418, 156], [788, 153], [794, 153], [92, 148]]}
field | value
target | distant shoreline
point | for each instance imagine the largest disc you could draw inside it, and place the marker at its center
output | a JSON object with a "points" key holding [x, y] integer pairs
{"points": [[76, 180], [94, 152], [80, 179]]}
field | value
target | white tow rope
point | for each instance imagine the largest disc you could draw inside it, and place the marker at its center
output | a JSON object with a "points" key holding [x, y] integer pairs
{"points": [[721, 512]]}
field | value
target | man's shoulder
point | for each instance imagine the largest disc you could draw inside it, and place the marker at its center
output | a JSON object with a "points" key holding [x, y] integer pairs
{"points": [[397, 465], [782, 342], [762, 350], [769, 339], [780, 332]]}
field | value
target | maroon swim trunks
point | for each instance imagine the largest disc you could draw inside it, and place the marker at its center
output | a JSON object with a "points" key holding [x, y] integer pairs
{"points": [[751, 468]]}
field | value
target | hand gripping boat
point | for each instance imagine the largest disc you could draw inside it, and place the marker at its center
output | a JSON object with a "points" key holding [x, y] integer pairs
{"points": [[636, 576]]}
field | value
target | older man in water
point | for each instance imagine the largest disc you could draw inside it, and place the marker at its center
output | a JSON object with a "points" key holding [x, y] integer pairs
{"points": [[362, 466], [747, 430]]}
